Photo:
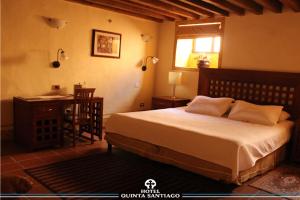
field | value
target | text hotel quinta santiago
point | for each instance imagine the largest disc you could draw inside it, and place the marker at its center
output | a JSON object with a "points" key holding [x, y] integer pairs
{"points": [[150, 193]]}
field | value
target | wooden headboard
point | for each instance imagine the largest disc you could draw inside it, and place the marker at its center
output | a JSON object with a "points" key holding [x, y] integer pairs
{"points": [[259, 87]]}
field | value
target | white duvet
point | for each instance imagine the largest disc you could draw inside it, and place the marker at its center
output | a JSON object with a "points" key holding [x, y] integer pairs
{"points": [[233, 144]]}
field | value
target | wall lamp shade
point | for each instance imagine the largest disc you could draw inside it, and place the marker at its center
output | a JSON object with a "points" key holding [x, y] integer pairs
{"points": [[61, 55], [153, 59], [57, 23], [175, 79], [146, 37]]}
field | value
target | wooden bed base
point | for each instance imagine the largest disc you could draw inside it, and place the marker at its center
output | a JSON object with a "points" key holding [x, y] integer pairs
{"points": [[193, 164]]}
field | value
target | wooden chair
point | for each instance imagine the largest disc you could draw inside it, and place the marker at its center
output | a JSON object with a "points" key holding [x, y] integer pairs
{"points": [[82, 113]]}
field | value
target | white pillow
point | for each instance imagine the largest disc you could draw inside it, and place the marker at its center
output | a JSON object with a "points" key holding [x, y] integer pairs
{"points": [[209, 106], [259, 114], [284, 116]]}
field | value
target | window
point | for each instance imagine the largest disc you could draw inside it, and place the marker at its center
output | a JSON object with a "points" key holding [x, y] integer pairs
{"points": [[207, 44], [195, 41]]}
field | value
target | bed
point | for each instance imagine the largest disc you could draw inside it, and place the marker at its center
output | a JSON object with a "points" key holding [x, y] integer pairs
{"points": [[216, 147]]}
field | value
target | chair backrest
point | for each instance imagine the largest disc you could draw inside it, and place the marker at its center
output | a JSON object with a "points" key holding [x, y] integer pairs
{"points": [[82, 108]]}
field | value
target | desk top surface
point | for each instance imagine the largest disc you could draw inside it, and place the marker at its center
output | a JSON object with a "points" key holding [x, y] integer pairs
{"points": [[51, 98]]}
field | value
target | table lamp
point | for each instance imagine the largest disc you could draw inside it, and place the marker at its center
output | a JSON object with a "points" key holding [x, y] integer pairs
{"points": [[175, 79]]}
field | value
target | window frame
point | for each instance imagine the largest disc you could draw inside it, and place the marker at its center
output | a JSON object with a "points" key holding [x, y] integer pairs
{"points": [[197, 35]]}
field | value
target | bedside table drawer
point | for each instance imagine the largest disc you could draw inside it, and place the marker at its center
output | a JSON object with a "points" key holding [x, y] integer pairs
{"points": [[181, 103], [168, 102], [160, 104]]}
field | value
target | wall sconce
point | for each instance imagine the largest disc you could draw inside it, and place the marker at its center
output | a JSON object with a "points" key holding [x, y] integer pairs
{"points": [[154, 60], [146, 37], [57, 23], [175, 79], [61, 55]]}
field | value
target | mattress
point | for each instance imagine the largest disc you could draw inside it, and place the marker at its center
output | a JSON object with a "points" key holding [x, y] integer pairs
{"points": [[229, 143]]}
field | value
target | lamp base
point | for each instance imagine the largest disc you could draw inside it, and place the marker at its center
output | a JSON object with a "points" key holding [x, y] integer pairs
{"points": [[55, 64], [144, 68], [174, 89]]}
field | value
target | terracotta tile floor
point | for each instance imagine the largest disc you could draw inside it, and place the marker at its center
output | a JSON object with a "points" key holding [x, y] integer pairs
{"points": [[14, 159]]}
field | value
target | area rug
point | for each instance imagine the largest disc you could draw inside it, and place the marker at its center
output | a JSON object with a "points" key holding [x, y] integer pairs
{"points": [[285, 180], [121, 172]]}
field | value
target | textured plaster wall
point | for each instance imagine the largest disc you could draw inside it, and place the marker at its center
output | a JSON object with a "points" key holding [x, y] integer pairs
{"points": [[261, 42], [29, 45]]}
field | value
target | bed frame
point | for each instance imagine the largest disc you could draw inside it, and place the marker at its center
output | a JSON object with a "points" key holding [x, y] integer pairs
{"points": [[260, 87]]}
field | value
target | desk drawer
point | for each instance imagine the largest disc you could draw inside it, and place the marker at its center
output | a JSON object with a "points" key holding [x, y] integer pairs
{"points": [[46, 110]]}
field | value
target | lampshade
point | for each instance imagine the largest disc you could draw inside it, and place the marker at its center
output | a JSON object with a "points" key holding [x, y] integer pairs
{"points": [[175, 78], [146, 37], [64, 56], [57, 23], [154, 60]]}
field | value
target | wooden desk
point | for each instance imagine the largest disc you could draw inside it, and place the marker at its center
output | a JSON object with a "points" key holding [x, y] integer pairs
{"points": [[38, 121]]}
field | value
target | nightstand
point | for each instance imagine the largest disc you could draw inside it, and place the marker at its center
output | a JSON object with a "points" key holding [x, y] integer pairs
{"points": [[296, 142], [168, 102]]}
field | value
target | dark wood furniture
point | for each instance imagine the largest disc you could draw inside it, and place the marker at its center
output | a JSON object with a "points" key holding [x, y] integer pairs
{"points": [[259, 87], [82, 110], [168, 102], [38, 121], [296, 143]]}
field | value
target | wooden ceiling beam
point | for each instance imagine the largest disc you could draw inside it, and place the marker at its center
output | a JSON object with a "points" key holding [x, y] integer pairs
{"points": [[167, 14], [169, 17], [273, 5], [166, 7], [189, 8], [206, 6], [123, 6], [83, 2], [293, 4], [248, 5], [227, 6], [162, 12]]}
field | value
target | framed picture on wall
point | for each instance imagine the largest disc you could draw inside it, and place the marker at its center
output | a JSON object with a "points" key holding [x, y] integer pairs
{"points": [[106, 44]]}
